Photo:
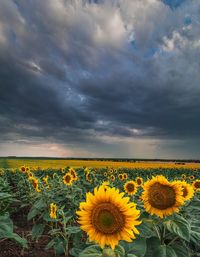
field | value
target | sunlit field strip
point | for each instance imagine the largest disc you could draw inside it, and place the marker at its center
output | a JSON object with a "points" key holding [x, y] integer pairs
{"points": [[55, 164]]}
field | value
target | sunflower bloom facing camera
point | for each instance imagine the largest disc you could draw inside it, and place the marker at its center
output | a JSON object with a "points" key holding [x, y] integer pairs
{"points": [[108, 217], [130, 187], [161, 197], [67, 179]]}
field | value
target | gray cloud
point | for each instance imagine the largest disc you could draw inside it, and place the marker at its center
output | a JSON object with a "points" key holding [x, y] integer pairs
{"points": [[83, 72]]}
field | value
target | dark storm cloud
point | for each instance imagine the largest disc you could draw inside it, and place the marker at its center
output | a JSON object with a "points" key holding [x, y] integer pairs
{"points": [[74, 71]]}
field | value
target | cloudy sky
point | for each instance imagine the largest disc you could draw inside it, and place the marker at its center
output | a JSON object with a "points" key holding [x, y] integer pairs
{"points": [[100, 78]]}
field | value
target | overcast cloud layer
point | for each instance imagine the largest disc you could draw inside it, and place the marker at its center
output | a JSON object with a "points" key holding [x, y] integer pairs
{"points": [[113, 78]]}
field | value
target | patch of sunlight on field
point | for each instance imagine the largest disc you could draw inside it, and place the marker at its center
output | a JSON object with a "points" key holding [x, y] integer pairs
{"points": [[56, 164]]}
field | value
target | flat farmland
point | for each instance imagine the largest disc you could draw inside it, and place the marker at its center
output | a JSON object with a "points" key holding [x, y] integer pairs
{"points": [[61, 163]]}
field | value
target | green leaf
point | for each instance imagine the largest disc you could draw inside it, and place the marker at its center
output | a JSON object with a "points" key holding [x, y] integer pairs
{"points": [[152, 244], [32, 214], [119, 251], [91, 251], [131, 255], [137, 247], [37, 230], [179, 226], [6, 226], [165, 251], [18, 239], [73, 229], [181, 250], [146, 228]]}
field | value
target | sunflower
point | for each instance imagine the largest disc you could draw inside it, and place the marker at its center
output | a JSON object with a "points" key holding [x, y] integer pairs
{"points": [[67, 179], [105, 184], [188, 191], [196, 184], [45, 179], [161, 197], [183, 176], [112, 177], [73, 173], [105, 174], [88, 177], [121, 176], [23, 168], [125, 176], [192, 177], [35, 183], [53, 211], [139, 181], [108, 217], [27, 169], [30, 174], [130, 187]]}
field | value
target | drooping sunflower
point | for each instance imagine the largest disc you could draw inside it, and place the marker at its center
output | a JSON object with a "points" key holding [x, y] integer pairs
{"points": [[67, 179], [35, 183], [139, 181], [162, 197], [108, 217], [45, 179], [73, 173], [188, 191], [53, 211], [130, 187], [196, 185], [120, 176]]}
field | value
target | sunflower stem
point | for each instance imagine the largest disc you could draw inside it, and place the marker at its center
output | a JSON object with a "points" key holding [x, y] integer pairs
{"points": [[173, 240], [157, 232], [162, 235]]}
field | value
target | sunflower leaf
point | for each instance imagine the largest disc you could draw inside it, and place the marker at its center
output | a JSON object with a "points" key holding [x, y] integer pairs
{"points": [[165, 251], [91, 251], [179, 226]]}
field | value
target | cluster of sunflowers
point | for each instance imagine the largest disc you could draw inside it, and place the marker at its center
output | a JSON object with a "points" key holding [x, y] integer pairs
{"points": [[108, 217], [114, 204]]}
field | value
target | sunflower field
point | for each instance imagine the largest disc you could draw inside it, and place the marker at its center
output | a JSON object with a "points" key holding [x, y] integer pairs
{"points": [[100, 212]]}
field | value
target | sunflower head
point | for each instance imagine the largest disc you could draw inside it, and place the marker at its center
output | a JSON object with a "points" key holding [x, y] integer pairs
{"points": [[183, 176], [88, 177], [121, 176], [161, 197], [192, 177], [125, 176], [139, 181], [53, 211], [73, 173], [108, 217], [35, 183], [112, 177], [67, 179], [105, 174], [27, 169], [188, 191], [23, 168], [45, 179], [196, 185], [130, 187]]}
